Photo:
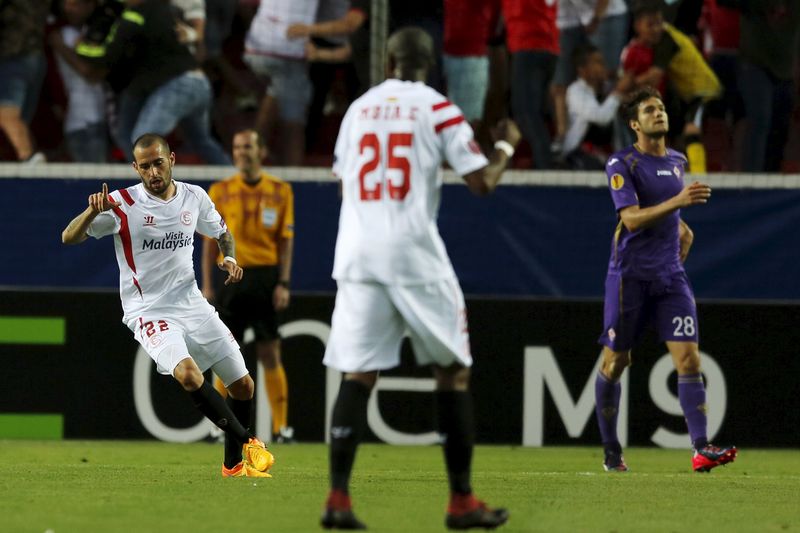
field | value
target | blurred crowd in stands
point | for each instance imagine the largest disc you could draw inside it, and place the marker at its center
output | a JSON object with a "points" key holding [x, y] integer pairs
{"points": [[81, 79]]}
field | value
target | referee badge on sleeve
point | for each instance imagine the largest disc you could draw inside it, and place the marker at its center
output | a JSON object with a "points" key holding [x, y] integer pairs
{"points": [[617, 181], [268, 216]]}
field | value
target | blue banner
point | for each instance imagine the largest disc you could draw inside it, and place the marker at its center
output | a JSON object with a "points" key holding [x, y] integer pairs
{"points": [[547, 241]]}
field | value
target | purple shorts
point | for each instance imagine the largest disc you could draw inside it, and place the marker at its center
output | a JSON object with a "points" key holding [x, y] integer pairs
{"points": [[632, 305]]}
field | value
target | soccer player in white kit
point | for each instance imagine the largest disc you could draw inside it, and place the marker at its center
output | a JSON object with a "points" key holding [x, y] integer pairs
{"points": [[153, 224], [392, 269]]}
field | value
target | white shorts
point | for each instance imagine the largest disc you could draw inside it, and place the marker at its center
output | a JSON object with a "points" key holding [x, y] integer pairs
{"points": [[169, 338], [370, 320]]}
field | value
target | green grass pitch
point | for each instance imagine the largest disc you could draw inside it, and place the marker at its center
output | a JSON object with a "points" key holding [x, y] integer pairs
{"points": [[107, 486]]}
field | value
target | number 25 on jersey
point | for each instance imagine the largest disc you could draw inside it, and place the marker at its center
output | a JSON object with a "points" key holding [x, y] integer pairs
{"points": [[373, 190]]}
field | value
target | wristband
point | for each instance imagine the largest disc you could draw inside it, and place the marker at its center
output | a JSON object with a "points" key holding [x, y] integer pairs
{"points": [[230, 259], [504, 146], [283, 283]]}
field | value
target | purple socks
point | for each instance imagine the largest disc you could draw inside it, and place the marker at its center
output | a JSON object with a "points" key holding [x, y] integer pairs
{"points": [[692, 395], [606, 394]]}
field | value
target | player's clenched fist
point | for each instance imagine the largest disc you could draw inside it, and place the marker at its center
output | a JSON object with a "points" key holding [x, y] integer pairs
{"points": [[508, 131], [696, 193], [101, 201]]}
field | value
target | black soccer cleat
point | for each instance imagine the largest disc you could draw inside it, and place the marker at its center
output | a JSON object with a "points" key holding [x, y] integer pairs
{"points": [[482, 517], [614, 462], [333, 519]]}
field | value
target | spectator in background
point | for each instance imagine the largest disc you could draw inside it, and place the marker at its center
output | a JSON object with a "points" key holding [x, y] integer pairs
{"points": [[355, 23], [468, 25], [219, 21], [271, 54], [532, 39], [22, 70], [768, 53], [605, 24], [326, 56], [85, 124], [190, 25], [720, 38], [661, 56], [166, 86], [589, 121]]}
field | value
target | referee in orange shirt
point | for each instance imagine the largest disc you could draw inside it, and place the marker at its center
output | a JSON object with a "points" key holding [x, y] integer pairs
{"points": [[259, 211]]}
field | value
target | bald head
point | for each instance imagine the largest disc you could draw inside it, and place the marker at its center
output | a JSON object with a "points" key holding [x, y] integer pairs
{"points": [[411, 48]]}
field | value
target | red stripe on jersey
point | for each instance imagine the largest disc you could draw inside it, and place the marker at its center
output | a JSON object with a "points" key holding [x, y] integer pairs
{"points": [[449, 122], [126, 196], [136, 282], [442, 105], [125, 237]]}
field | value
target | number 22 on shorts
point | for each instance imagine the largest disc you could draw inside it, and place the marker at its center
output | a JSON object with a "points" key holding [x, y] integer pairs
{"points": [[149, 328]]}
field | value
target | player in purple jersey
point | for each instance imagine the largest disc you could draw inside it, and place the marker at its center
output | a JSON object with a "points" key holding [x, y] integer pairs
{"points": [[646, 282]]}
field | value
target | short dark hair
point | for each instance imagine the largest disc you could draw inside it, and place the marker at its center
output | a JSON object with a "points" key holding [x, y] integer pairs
{"points": [[646, 7], [411, 47], [149, 139], [260, 140], [630, 110], [581, 53]]}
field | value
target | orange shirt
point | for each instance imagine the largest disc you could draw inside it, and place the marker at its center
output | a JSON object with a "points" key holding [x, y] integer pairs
{"points": [[257, 215]]}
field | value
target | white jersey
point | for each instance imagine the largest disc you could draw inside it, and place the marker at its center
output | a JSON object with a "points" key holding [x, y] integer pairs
{"points": [[154, 240], [391, 145]]}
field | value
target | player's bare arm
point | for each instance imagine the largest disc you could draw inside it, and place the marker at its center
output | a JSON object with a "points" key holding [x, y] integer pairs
{"points": [[75, 232], [209, 257], [228, 249], [484, 180], [636, 218], [281, 294], [686, 238]]}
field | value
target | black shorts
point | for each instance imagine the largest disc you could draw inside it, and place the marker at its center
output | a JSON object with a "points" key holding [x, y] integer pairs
{"points": [[249, 304]]}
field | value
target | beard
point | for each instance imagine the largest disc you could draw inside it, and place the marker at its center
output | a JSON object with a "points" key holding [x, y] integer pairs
{"points": [[656, 135], [165, 182]]}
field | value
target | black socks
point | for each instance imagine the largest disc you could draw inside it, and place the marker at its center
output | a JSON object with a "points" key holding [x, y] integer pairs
{"points": [[456, 423], [348, 423], [213, 406]]}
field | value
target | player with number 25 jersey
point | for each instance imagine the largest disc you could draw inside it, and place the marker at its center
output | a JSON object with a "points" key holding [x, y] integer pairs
{"points": [[388, 155], [392, 270]]}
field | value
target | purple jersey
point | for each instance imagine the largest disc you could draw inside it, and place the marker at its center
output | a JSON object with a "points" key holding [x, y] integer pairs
{"points": [[647, 180]]}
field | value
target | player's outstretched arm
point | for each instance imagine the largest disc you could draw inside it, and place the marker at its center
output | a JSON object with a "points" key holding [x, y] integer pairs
{"points": [[75, 232], [227, 247], [636, 218], [484, 180]]}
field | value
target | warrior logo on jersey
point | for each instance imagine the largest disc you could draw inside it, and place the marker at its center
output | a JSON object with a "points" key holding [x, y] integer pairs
{"points": [[149, 220], [617, 181], [186, 218]]}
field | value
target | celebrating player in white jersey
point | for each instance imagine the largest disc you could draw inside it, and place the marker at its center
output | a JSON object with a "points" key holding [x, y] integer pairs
{"points": [[153, 224], [392, 269]]}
